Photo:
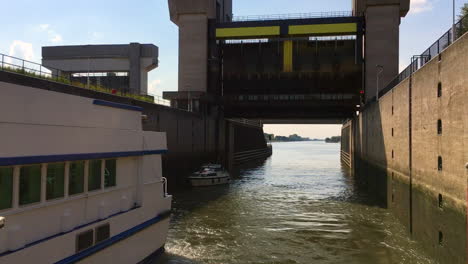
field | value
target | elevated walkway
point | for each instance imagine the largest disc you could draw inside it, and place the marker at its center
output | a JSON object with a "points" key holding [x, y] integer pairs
{"points": [[290, 27]]}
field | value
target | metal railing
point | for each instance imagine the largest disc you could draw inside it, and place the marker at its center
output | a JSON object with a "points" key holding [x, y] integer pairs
{"points": [[294, 16], [164, 184], [460, 28], [266, 40], [36, 70], [246, 121]]}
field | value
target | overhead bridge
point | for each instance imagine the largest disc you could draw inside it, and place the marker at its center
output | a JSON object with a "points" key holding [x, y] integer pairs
{"points": [[289, 28], [289, 69]]}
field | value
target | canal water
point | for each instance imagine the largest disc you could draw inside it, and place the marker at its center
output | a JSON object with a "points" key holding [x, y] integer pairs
{"points": [[299, 206]]}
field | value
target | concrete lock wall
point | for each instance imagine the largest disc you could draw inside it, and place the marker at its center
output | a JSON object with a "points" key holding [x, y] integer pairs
{"points": [[415, 165], [245, 143]]}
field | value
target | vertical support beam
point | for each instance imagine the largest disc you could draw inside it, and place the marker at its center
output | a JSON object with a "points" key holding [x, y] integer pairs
{"points": [[103, 172], [288, 56], [43, 182], [16, 191], [67, 179], [231, 142], [135, 68], [410, 147], [382, 46], [86, 175]]}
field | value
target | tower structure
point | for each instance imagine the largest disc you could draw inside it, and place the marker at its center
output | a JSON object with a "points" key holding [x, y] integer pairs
{"points": [[192, 18], [381, 45]]}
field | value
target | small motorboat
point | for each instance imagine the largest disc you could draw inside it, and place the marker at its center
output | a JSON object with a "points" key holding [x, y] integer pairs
{"points": [[210, 174]]}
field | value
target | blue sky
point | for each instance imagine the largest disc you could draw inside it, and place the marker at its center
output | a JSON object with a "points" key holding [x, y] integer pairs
{"points": [[30, 24]]}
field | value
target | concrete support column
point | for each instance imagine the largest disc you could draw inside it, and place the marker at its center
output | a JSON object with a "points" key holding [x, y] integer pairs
{"points": [[193, 52], [382, 46], [135, 67]]}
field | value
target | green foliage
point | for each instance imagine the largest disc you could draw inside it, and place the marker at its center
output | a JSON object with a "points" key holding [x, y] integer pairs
{"points": [[61, 79], [463, 17]]}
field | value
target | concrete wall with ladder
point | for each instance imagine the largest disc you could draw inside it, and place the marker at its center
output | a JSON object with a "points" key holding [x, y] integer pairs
{"points": [[412, 147]]}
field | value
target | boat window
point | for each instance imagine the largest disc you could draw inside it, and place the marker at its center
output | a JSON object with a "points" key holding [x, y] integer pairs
{"points": [[84, 240], [76, 177], [30, 184], [55, 181], [6, 187], [110, 173], [212, 174], [102, 232], [94, 176]]}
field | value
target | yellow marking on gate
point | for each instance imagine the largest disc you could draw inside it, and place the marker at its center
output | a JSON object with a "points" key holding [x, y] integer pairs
{"points": [[323, 29], [247, 32], [288, 56]]}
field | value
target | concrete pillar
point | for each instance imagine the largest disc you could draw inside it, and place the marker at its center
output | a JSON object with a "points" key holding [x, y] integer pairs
{"points": [[381, 40], [192, 18], [135, 68], [193, 52], [381, 46]]}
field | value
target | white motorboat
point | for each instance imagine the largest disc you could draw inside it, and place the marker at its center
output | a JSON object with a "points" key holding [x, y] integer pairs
{"points": [[210, 174]]}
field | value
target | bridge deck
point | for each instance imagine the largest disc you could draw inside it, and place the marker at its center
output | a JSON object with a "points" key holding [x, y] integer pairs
{"points": [[290, 28]]}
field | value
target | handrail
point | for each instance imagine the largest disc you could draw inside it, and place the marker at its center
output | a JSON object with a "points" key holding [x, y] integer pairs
{"points": [[294, 16], [435, 49], [164, 182], [33, 69], [246, 121]]}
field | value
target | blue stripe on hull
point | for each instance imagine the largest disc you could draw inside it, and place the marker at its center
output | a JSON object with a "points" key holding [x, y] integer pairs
{"points": [[117, 105], [113, 240], [64, 233]]}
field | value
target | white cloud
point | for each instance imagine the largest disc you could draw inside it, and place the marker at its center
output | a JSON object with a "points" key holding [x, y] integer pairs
{"points": [[153, 86], [96, 35], [420, 6], [56, 38], [53, 36], [44, 27], [21, 49]]}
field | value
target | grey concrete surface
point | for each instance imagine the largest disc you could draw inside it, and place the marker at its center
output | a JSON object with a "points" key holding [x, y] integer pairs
{"points": [[135, 58], [397, 144]]}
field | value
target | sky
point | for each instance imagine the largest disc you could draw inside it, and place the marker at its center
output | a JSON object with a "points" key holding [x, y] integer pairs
{"points": [[30, 24]]}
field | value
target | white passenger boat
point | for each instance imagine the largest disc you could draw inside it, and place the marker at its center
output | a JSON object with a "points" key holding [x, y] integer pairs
{"points": [[210, 174], [80, 181]]}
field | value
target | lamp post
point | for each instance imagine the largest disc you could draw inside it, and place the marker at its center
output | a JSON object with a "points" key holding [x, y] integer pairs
{"points": [[453, 21], [379, 72]]}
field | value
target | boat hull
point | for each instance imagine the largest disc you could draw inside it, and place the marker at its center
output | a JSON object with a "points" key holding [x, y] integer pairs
{"points": [[209, 181]]}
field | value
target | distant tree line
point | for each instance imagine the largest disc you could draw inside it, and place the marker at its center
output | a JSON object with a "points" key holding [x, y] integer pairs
{"points": [[334, 139], [294, 137]]}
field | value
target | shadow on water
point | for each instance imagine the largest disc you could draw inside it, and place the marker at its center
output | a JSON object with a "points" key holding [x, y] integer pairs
{"points": [[358, 191]]}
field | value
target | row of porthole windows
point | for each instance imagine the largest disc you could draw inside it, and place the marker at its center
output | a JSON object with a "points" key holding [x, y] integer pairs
{"points": [[31, 178]]}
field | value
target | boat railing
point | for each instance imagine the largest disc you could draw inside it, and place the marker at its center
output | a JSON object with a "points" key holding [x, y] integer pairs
{"points": [[164, 183]]}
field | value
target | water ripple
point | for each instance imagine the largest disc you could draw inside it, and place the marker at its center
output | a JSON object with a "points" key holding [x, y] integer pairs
{"points": [[298, 207]]}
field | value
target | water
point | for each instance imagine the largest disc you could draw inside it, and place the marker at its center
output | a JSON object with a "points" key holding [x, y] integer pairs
{"points": [[299, 206]]}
